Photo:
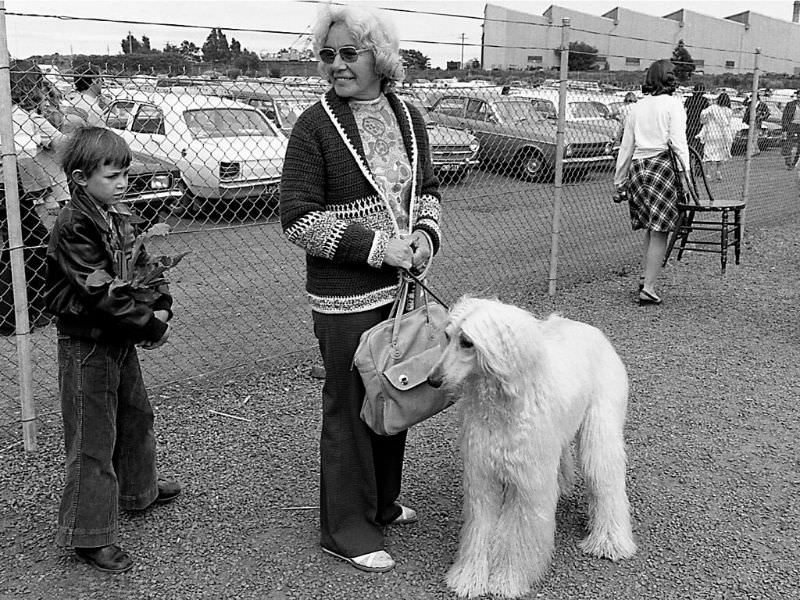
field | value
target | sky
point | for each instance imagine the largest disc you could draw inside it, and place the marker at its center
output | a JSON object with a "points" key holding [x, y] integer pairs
{"points": [[441, 38]]}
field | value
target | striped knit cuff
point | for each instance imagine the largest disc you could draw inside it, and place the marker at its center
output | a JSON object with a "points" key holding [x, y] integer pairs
{"points": [[378, 250]]}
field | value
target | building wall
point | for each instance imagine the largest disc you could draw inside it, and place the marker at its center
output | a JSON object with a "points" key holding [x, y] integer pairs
{"points": [[622, 36]]}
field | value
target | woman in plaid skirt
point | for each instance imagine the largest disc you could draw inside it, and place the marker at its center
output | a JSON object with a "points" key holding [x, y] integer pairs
{"points": [[644, 168]]}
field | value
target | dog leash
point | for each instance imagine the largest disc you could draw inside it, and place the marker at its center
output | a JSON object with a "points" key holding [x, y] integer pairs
{"points": [[409, 275]]}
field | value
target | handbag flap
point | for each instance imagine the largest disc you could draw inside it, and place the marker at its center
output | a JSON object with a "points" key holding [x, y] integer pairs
{"points": [[414, 371]]}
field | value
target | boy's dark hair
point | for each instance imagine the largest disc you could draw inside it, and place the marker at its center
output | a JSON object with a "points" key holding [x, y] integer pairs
{"points": [[89, 148], [84, 77], [724, 100], [660, 78]]}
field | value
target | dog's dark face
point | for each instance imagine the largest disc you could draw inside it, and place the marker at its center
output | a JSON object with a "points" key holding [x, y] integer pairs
{"points": [[458, 360]]}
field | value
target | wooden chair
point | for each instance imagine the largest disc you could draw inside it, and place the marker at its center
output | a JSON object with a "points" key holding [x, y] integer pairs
{"points": [[714, 224]]}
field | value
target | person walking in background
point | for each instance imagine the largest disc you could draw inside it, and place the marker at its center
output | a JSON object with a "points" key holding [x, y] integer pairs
{"points": [[359, 195], [790, 123], [762, 114], [40, 183], [108, 421], [88, 96], [695, 105], [716, 134], [644, 169], [627, 104]]}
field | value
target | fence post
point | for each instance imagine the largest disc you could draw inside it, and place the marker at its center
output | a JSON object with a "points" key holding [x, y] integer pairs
{"points": [[559, 174], [16, 244], [752, 134]]}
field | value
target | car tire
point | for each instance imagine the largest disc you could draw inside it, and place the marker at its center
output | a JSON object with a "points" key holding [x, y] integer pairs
{"points": [[531, 165], [190, 205]]}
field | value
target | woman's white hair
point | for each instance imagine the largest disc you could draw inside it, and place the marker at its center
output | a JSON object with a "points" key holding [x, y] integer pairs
{"points": [[370, 29]]}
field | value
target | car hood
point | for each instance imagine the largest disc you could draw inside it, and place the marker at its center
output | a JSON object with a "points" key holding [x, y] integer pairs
{"points": [[242, 148], [146, 163]]}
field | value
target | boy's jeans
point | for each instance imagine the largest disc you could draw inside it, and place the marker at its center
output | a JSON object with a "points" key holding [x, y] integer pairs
{"points": [[108, 437]]}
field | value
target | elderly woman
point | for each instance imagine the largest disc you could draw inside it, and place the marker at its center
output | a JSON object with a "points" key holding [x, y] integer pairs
{"points": [[358, 194], [655, 123]]}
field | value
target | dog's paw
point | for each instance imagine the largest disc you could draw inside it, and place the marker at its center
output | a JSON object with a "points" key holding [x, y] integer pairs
{"points": [[466, 582], [612, 547]]}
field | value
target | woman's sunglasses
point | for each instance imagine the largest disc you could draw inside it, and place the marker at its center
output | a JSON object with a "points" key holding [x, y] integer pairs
{"points": [[349, 54]]}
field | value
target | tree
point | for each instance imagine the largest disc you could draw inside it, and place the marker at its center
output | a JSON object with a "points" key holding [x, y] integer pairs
{"points": [[189, 50], [172, 48], [236, 47], [130, 45], [582, 56], [414, 59], [146, 44], [683, 63], [216, 47]]}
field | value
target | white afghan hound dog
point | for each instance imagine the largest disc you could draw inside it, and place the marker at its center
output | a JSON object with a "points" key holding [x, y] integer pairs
{"points": [[527, 388]]}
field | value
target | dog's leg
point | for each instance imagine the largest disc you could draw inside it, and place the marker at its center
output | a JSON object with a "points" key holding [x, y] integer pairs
{"points": [[602, 456], [525, 533], [566, 472], [469, 574]]}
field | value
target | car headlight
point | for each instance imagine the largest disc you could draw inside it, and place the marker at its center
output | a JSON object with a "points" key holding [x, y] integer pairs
{"points": [[228, 170], [474, 145], [568, 150], [161, 182]]}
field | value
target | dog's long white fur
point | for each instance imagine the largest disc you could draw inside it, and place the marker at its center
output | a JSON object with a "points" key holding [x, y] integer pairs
{"points": [[527, 388]]}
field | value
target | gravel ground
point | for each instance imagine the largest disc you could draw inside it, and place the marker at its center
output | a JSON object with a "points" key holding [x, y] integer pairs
{"points": [[713, 465]]}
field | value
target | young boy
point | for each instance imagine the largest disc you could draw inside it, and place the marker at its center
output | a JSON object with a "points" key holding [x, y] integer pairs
{"points": [[108, 420]]}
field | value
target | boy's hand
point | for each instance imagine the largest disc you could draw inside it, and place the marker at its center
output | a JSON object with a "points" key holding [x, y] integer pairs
{"points": [[161, 315], [147, 345]]}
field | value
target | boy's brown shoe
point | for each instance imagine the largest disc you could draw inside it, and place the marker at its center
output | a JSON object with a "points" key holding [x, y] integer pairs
{"points": [[168, 490], [109, 559]]}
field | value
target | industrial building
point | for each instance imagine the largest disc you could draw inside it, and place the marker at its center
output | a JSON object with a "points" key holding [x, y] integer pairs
{"points": [[627, 40]]}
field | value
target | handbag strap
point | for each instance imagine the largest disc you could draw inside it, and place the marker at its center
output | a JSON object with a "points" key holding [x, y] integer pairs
{"points": [[408, 277]]}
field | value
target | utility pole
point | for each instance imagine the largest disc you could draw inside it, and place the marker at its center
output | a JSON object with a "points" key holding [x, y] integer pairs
{"points": [[462, 51], [130, 43]]}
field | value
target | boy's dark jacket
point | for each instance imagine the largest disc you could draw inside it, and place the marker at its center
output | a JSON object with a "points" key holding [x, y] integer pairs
{"points": [[80, 243]]}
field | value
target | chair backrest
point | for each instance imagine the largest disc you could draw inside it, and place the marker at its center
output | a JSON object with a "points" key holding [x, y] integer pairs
{"points": [[693, 188]]}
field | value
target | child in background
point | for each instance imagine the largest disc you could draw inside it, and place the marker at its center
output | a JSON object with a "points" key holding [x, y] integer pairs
{"points": [[108, 420]]}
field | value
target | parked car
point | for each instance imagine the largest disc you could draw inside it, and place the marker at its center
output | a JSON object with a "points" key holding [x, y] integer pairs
{"points": [[227, 152], [281, 104], [769, 135], [589, 110], [514, 134], [453, 151], [153, 188]]}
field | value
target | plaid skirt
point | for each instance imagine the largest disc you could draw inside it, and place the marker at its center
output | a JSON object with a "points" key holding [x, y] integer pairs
{"points": [[652, 195]]}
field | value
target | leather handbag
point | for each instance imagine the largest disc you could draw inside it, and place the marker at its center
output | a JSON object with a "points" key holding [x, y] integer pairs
{"points": [[394, 358]]}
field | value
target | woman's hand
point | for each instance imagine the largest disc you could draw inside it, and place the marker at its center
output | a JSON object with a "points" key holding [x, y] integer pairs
{"points": [[420, 244], [399, 253]]}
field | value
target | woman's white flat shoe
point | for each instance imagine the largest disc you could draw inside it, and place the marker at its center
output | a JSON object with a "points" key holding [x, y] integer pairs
{"points": [[407, 515], [374, 562]]}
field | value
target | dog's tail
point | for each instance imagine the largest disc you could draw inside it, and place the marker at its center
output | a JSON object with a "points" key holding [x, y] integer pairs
{"points": [[601, 447]]}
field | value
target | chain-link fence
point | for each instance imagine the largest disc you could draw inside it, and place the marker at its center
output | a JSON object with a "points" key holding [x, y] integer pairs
{"points": [[526, 170]]}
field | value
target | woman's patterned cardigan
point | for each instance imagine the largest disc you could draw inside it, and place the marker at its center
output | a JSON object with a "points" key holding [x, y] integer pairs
{"points": [[331, 207]]}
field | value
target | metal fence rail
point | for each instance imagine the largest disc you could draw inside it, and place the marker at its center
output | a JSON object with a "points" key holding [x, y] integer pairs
{"points": [[207, 161]]}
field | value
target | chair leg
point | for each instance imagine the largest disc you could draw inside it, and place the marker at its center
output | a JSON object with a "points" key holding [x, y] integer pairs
{"points": [[686, 229], [737, 229], [724, 241]]}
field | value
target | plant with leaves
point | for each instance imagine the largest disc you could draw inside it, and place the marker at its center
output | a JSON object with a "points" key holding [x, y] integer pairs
{"points": [[216, 47], [140, 275], [414, 59], [683, 62]]}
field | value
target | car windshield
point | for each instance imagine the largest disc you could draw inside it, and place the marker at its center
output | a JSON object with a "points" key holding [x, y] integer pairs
{"points": [[585, 110], [517, 111], [226, 122], [290, 110]]}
